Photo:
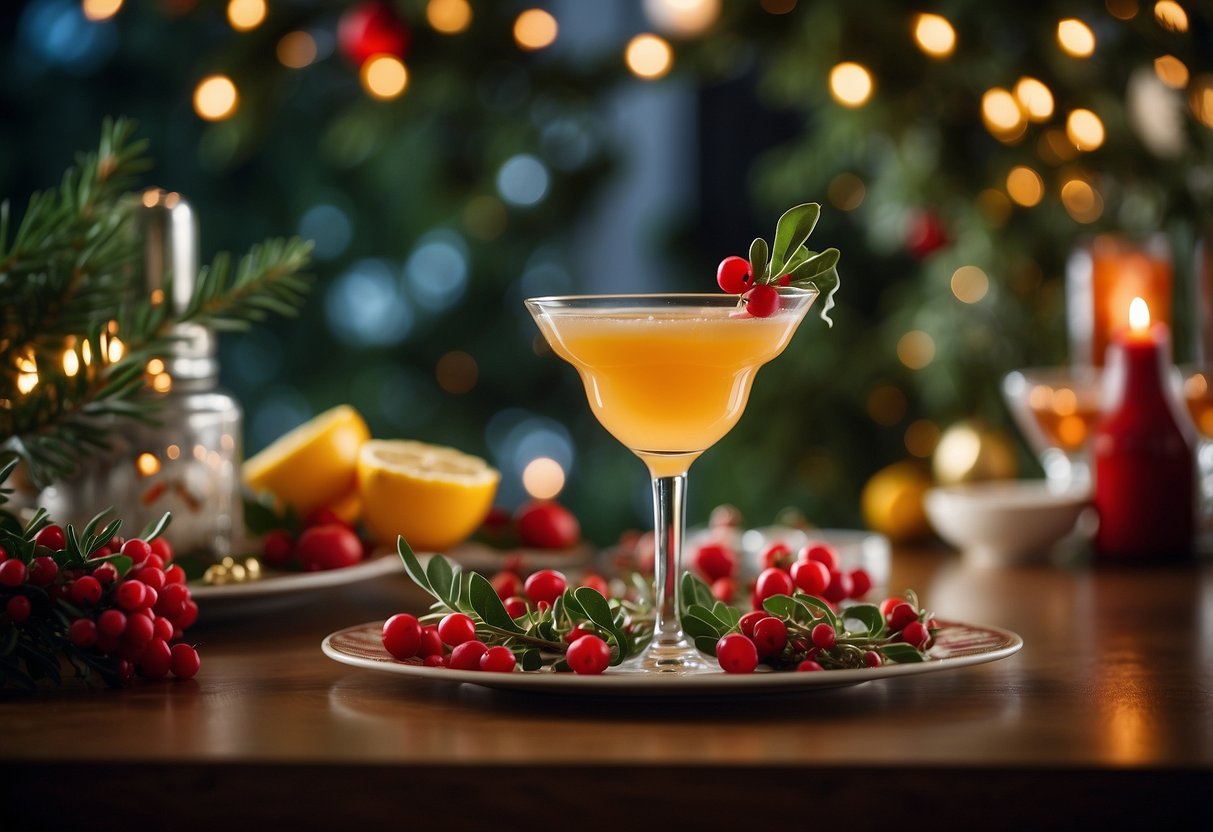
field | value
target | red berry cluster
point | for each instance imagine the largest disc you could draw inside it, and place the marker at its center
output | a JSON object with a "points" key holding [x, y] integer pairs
{"points": [[538, 524], [122, 624], [735, 276], [326, 542], [454, 642], [815, 570]]}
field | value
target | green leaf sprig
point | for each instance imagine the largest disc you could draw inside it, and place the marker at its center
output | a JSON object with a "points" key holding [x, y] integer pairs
{"points": [[536, 638], [789, 262]]}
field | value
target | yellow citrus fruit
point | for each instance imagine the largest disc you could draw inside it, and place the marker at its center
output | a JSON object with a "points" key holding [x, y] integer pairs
{"points": [[349, 508], [892, 501], [313, 466], [434, 496]]}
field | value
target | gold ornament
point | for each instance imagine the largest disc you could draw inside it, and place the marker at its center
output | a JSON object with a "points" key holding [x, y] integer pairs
{"points": [[971, 451], [231, 571], [892, 501]]}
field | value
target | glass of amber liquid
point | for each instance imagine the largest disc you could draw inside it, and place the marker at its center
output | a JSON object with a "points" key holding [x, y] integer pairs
{"points": [[1198, 396], [1057, 408], [668, 376]]}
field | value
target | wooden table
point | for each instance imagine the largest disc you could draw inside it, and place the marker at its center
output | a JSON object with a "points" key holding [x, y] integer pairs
{"points": [[1107, 713]]}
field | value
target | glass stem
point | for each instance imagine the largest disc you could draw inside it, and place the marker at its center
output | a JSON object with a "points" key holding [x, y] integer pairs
{"points": [[669, 527]]}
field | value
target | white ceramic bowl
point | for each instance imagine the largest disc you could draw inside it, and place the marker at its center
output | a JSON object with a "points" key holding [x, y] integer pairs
{"points": [[1005, 522]]}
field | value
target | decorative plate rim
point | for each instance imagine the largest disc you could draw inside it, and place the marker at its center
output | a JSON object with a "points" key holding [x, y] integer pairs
{"points": [[278, 583]]}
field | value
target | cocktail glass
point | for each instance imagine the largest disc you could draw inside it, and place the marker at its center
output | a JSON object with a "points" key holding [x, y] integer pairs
{"points": [[1197, 390], [668, 376], [1057, 408]]}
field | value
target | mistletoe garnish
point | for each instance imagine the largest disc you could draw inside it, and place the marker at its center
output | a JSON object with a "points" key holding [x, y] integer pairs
{"points": [[786, 263]]}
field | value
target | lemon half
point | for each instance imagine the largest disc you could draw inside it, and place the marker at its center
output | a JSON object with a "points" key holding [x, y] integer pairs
{"points": [[314, 465], [432, 495]]}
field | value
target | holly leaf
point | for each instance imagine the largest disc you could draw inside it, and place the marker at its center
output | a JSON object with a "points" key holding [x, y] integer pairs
{"points": [[413, 566], [706, 644], [696, 627], [694, 591], [866, 614], [793, 228], [818, 608], [531, 660], [759, 260], [487, 604], [598, 611], [901, 653], [781, 606], [443, 579]]}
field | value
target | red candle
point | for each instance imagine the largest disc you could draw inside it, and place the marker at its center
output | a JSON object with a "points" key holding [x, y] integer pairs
{"points": [[1143, 451]]}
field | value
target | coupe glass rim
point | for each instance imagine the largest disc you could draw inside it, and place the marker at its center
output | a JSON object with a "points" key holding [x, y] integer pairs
{"points": [[666, 297]]}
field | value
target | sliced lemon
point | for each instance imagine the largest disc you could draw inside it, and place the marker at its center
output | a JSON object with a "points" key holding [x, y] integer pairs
{"points": [[314, 465], [432, 495]]}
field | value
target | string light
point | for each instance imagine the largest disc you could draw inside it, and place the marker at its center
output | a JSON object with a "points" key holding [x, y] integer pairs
{"points": [[1001, 114], [216, 98], [1081, 201], [1200, 99], [685, 18], [648, 56], [916, 349], [173, 451], [71, 363], [147, 464], [935, 35], [1171, 71], [383, 77], [1085, 129], [535, 29], [970, 284], [1075, 38], [155, 367], [245, 15], [543, 478], [450, 17], [100, 10], [296, 50], [1122, 9], [1025, 186], [850, 84], [86, 353], [1171, 16], [27, 372], [116, 350], [1035, 99], [162, 383]]}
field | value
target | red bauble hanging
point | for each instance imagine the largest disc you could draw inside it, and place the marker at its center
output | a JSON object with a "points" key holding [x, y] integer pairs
{"points": [[925, 234], [372, 29]]}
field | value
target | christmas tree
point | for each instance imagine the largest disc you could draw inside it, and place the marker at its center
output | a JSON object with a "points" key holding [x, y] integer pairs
{"points": [[450, 157]]}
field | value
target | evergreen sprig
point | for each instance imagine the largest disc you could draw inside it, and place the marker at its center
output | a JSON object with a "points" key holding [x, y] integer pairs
{"points": [[66, 287]]}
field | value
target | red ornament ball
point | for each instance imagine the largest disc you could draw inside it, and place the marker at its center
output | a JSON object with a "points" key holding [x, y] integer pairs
{"points": [[925, 234], [372, 29]]}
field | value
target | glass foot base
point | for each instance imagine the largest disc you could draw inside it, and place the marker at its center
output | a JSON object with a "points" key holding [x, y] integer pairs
{"points": [[676, 657]]}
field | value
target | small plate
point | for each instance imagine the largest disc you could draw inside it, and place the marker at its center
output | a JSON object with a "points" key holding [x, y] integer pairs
{"points": [[957, 645], [284, 588]]}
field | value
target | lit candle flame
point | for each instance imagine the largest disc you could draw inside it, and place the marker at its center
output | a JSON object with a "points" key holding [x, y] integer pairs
{"points": [[1139, 315]]}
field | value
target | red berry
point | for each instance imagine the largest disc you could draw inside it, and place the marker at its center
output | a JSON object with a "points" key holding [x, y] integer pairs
{"points": [[150, 597], [150, 576], [734, 275], [188, 616], [126, 670], [546, 525], [809, 666], [12, 573], [52, 537], [17, 608], [749, 620], [137, 550], [323, 517], [467, 655], [715, 560], [515, 607], [372, 28], [277, 548], [810, 576], [130, 595], [762, 301], [431, 644], [139, 630], [823, 553], [456, 628], [106, 573], [162, 628], [85, 591], [111, 623], [402, 636], [174, 575], [545, 585], [43, 570], [824, 636], [154, 561], [872, 659], [861, 582], [157, 659], [597, 583], [3, 554], [576, 633], [723, 589], [784, 280], [901, 615], [915, 633], [185, 661], [886, 606], [103, 552], [497, 660], [506, 584], [82, 632], [328, 547], [777, 556], [770, 636], [171, 602], [162, 549], [773, 582], [434, 660], [588, 655], [840, 587], [736, 654]]}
